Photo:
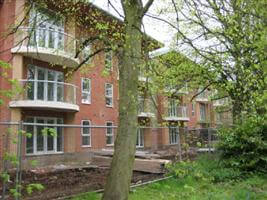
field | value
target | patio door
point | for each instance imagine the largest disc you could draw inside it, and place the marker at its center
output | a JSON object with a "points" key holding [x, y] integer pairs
{"points": [[140, 138]]}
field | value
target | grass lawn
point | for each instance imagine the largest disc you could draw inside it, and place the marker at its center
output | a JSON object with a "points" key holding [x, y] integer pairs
{"points": [[201, 180], [173, 189]]}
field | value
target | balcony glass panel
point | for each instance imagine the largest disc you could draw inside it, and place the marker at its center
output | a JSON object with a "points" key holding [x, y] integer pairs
{"points": [[47, 85]]}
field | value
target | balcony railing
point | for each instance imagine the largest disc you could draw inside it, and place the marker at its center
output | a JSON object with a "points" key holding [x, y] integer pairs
{"points": [[46, 94], [221, 102], [178, 111], [144, 107], [204, 96], [45, 44]]}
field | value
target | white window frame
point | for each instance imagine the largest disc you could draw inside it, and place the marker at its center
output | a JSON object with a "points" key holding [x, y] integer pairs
{"points": [[86, 101], [49, 26], [172, 108], [108, 134], [108, 61], [173, 134], [45, 82], [86, 135], [140, 141], [203, 112], [45, 151], [109, 96]]}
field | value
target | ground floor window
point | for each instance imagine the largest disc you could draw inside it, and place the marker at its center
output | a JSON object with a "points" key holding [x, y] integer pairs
{"points": [[173, 135], [44, 139], [109, 133], [86, 133], [140, 137]]}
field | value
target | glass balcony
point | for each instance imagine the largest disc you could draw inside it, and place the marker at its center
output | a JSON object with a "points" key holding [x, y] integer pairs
{"points": [[51, 45], [44, 94], [177, 113], [220, 102], [144, 106], [203, 97]]}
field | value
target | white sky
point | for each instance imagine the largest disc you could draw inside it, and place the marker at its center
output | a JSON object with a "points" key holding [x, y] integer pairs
{"points": [[155, 28]]}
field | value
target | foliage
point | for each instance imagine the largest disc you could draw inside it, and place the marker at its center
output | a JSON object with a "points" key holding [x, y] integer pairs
{"points": [[192, 186], [34, 186], [228, 38], [206, 168], [173, 72], [244, 146]]}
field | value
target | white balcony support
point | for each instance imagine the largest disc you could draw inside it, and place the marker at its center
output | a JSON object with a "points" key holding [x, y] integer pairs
{"points": [[177, 113], [44, 94], [48, 45]]}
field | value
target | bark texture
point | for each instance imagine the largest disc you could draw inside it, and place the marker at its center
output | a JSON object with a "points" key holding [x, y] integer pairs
{"points": [[118, 183]]}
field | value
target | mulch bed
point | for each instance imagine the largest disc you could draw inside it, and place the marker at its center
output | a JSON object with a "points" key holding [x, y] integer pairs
{"points": [[68, 182]]}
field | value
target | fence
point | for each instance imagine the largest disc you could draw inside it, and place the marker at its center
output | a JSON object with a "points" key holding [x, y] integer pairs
{"points": [[50, 142]]}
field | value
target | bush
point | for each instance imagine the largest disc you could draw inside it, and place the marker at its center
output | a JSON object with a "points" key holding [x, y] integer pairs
{"points": [[245, 145], [206, 168]]}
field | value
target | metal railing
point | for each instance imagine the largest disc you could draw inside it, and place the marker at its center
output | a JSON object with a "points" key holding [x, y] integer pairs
{"points": [[203, 96], [53, 40], [82, 141], [178, 111], [44, 90], [144, 105]]}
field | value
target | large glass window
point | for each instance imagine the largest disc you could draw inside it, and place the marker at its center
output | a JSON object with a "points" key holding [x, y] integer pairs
{"points": [[172, 108], [47, 31], [202, 112], [44, 139], [173, 135], [109, 94], [108, 60], [44, 84], [86, 90], [86, 133], [109, 133], [140, 137]]}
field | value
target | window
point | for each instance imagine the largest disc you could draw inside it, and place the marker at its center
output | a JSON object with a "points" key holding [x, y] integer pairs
{"points": [[45, 84], [193, 109], [109, 94], [140, 137], [86, 51], [44, 139], [108, 60], [202, 112], [109, 134], [173, 135], [48, 31], [86, 90], [172, 109], [86, 133]]}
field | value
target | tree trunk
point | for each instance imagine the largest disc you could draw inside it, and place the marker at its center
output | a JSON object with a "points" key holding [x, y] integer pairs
{"points": [[119, 179]]}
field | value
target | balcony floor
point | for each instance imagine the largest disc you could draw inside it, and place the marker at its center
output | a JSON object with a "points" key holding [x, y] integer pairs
{"points": [[44, 105], [53, 56]]}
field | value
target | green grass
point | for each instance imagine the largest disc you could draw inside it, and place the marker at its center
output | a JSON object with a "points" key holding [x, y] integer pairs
{"points": [[199, 184]]}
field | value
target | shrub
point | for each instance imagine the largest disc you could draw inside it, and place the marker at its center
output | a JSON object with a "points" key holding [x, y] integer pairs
{"points": [[244, 146], [206, 168]]}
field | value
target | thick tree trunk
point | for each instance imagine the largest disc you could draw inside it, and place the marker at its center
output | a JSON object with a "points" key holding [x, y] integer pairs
{"points": [[118, 183]]}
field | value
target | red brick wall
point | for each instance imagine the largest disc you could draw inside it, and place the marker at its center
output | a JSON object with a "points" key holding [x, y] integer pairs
{"points": [[7, 12]]}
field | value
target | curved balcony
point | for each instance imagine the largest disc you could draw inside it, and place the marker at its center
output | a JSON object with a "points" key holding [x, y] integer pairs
{"points": [[177, 113], [143, 106], [46, 95], [221, 102], [203, 97], [45, 44]]}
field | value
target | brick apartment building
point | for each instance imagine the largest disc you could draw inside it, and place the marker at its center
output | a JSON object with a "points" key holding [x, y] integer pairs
{"points": [[40, 64]]}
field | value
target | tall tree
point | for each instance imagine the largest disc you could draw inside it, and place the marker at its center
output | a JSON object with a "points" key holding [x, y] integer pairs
{"points": [[118, 183], [228, 38]]}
